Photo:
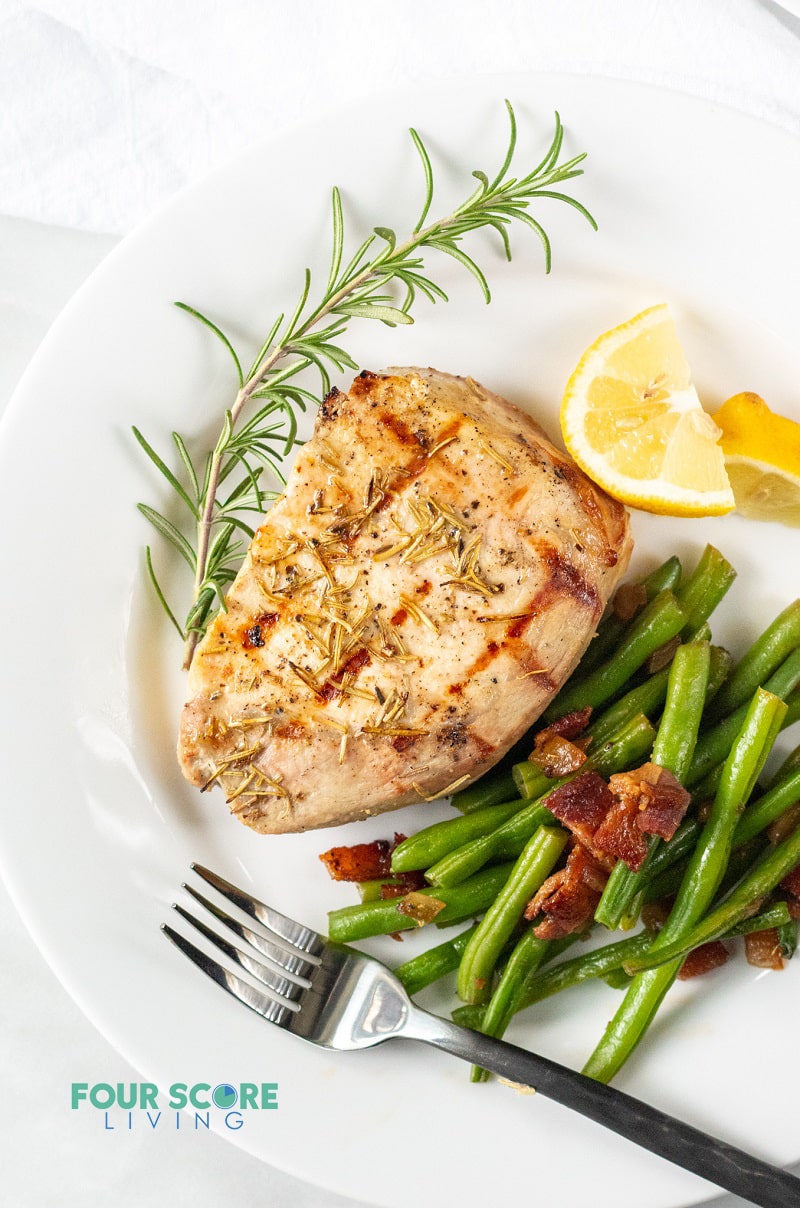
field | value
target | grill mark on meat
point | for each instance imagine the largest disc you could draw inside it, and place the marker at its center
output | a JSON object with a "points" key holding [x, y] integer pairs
{"points": [[518, 649], [516, 495], [563, 579], [484, 748], [485, 658], [402, 432], [518, 627]]}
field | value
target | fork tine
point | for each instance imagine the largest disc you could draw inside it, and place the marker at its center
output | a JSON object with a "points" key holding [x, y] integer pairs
{"points": [[289, 990], [295, 966], [269, 1008], [294, 933]]}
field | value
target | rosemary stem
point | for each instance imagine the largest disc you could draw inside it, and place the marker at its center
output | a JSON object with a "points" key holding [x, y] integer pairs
{"points": [[269, 361], [358, 291]]}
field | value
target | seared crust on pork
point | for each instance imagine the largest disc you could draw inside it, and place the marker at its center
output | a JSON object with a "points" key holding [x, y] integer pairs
{"points": [[425, 584]]}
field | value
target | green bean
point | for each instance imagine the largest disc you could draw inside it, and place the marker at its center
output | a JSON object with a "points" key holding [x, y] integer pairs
{"points": [[480, 957], [703, 590], [530, 780], [630, 745], [528, 954], [371, 891], [429, 845], [732, 923], [665, 577], [673, 749], [617, 979], [581, 968], [714, 744], [469, 1015], [776, 916], [668, 882], [764, 657], [659, 621], [675, 849], [766, 874], [700, 883], [787, 938], [762, 812], [541, 984], [429, 966], [648, 697], [496, 787], [790, 763], [506, 842], [686, 697], [365, 919], [708, 861]]}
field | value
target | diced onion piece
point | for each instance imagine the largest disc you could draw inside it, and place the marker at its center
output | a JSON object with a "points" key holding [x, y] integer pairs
{"points": [[420, 907]]}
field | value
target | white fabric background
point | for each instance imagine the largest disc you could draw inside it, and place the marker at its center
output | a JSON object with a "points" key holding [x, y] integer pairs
{"points": [[108, 108]]}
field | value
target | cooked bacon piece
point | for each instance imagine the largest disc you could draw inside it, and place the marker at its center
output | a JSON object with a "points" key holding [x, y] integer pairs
{"points": [[763, 949], [568, 898], [571, 725], [791, 885], [406, 882], [584, 802], [361, 861], [619, 834], [654, 801], [791, 882], [704, 959]]}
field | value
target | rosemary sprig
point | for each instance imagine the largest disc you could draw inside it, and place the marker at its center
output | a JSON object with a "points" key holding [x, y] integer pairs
{"points": [[380, 284]]}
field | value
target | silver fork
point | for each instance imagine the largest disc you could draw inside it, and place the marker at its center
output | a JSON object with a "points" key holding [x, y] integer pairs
{"points": [[338, 998]]}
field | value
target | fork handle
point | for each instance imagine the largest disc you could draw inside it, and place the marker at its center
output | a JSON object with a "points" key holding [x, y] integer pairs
{"points": [[694, 1150]]}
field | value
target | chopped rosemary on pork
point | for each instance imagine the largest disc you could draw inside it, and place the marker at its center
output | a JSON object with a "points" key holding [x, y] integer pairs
{"points": [[380, 281]]}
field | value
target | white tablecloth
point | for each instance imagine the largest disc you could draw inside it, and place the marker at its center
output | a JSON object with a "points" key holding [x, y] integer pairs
{"points": [[106, 109]]}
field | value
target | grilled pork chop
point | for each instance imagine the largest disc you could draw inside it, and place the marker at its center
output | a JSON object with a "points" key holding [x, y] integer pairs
{"points": [[426, 583]]}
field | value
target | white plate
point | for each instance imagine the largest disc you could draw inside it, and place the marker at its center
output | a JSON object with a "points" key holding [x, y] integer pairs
{"points": [[696, 205], [791, 6]]}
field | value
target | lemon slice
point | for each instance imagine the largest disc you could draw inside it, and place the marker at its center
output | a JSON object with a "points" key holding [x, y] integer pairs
{"points": [[632, 420], [762, 457]]}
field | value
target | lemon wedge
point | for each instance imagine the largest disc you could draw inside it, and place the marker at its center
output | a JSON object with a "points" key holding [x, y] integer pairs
{"points": [[632, 420], [762, 457]]}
